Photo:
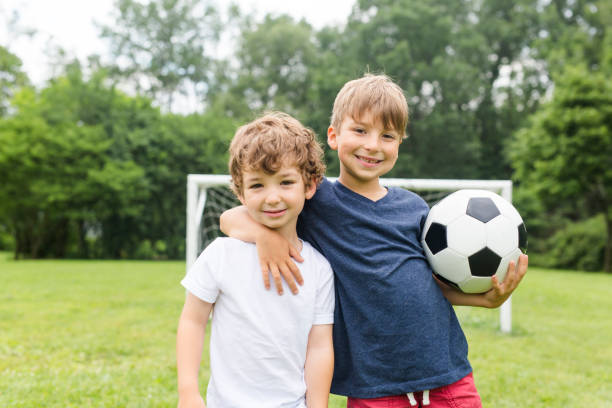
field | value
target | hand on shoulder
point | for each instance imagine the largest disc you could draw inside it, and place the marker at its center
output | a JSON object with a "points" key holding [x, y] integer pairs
{"points": [[277, 257]]}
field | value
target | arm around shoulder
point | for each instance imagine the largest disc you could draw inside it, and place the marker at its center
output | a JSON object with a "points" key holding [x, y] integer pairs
{"points": [[276, 255], [237, 223]]}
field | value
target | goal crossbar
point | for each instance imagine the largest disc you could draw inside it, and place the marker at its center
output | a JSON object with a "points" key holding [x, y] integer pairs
{"points": [[198, 184]]}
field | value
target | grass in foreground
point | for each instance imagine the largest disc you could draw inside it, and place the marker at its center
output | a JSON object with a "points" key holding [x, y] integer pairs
{"points": [[101, 334]]}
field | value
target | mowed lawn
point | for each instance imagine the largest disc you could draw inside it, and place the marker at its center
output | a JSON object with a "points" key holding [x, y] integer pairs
{"points": [[101, 334]]}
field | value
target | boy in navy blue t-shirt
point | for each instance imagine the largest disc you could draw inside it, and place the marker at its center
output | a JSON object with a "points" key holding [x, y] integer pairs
{"points": [[396, 337]]}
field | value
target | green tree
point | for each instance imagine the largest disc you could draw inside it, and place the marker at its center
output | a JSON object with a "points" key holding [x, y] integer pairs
{"points": [[169, 148], [274, 68], [11, 77], [163, 46], [573, 32], [61, 172], [283, 64], [88, 171], [565, 153], [447, 56]]}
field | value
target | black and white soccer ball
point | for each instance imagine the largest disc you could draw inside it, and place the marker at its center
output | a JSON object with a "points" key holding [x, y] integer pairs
{"points": [[472, 235]]}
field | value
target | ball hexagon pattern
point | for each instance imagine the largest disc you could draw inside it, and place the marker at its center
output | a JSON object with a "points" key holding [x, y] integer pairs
{"points": [[436, 238], [482, 208], [471, 236]]}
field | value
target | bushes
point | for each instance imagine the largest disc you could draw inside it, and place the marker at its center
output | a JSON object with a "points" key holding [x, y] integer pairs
{"points": [[87, 171], [7, 242], [559, 237], [147, 250], [577, 245]]}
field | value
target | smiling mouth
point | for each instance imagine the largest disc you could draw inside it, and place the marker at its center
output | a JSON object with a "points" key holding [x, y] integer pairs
{"points": [[275, 213], [368, 160]]}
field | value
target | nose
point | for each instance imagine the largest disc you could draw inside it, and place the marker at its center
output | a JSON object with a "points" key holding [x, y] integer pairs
{"points": [[272, 197], [372, 141]]}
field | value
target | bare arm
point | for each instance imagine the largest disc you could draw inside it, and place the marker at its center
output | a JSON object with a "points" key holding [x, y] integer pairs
{"points": [[189, 343], [276, 255], [319, 366], [496, 296]]}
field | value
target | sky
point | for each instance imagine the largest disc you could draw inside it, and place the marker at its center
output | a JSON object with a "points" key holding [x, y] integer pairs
{"points": [[70, 24]]}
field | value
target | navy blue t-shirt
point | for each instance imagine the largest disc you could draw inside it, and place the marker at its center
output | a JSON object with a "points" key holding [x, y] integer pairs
{"points": [[394, 331]]}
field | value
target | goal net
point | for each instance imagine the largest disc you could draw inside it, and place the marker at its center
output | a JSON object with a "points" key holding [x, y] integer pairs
{"points": [[209, 195]]}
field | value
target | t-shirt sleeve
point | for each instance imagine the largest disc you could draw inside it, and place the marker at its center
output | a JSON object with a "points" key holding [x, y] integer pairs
{"points": [[424, 213], [202, 279], [325, 301]]}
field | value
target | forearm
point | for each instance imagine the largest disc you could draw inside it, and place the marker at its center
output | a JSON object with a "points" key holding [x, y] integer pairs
{"points": [[458, 298], [319, 369], [189, 343], [237, 223]]}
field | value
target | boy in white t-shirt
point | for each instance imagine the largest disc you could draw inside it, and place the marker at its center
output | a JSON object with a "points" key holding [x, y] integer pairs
{"points": [[265, 350]]}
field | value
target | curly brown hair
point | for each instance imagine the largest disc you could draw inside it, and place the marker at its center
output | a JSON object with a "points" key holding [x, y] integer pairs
{"points": [[269, 142]]}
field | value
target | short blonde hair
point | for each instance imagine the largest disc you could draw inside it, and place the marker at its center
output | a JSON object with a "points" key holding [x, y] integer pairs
{"points": [[377, 94], [271, 141]]}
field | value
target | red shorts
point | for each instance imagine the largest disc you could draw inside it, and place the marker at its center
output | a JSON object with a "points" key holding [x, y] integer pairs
{"points": [[461, 394]]}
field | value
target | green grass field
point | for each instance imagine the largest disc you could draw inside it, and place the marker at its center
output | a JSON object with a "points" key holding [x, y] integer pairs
{"points": [[101, 334]]}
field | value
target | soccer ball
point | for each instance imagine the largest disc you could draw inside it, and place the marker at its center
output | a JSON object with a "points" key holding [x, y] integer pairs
{"points": [[472, 235]]}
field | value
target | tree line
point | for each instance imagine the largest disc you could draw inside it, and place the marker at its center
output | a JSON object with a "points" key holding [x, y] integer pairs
{"points": [[93, 164]]}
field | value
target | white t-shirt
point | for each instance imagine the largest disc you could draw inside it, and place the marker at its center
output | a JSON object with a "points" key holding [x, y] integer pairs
{"points": [[258, 339]]}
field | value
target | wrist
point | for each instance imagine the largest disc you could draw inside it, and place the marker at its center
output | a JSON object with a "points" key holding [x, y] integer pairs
{"points": [[188, 390], [263, 233], [489, 303]]}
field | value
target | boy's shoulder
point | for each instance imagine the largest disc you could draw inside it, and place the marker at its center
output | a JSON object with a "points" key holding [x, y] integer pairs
{"points": [[309, 252], [409, 196], [331, 197], [328, 185]]}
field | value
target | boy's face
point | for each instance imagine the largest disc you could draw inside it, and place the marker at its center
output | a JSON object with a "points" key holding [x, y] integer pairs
{"points": [[275, 200], [365, 148]]}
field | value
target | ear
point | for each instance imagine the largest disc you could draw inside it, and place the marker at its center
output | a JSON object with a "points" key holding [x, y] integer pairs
{"points": [[311, 189], [331, 138], [241, 199]]}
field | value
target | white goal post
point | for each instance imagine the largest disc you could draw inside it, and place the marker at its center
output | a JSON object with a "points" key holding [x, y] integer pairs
{"points": [[198, 185]]}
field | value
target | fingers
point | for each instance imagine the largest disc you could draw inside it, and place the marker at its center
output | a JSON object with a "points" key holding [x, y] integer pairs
{"points": [[510, 279], [289, 272], [495, 285], [281, 268], [292, 275], [272, 269], [276, 277], [514, 275], [516, 272], [501, 291], [295, 254], [295, 272], [286, 272], [265, 273], [522, 266]]}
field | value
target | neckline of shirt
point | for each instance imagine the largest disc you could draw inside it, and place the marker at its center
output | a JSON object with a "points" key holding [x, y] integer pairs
{"points": [[347, 191]]}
